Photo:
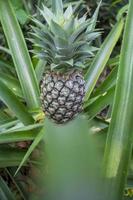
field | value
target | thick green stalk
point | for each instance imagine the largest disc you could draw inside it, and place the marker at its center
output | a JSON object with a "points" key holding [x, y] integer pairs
{"points": [[73, 170], [20, 54], [119, 141]]}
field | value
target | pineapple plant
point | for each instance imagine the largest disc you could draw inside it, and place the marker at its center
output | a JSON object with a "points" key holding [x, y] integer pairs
{"points": [[17, 124], [65, 42]]}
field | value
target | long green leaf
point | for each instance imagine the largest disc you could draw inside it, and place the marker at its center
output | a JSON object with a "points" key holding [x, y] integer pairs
{"points": [[57, 7], [102, 57], [17, 137], [5, 50], [12, 83], [10, 157], [99, 104], [36, 141], [6, 124], [39, 70], [20, 134], [14, 104], [20, 54], [109, 82], [6, 67], [18, 185], [94, 18], [114, 61], [4, 118], [119, 141], [5, 192]]}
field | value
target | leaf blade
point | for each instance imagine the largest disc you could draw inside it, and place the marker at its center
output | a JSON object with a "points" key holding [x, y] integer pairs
{"points": [[101, 58], [20, 54], [14, 104], [119, 141], [31, 148]]}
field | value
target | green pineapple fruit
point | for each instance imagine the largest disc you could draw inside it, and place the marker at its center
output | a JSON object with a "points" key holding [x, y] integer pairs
{"points": [[65, 42]]}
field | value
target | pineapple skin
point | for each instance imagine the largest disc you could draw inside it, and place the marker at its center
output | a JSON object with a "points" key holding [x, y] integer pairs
{"points": [[62, 95]]}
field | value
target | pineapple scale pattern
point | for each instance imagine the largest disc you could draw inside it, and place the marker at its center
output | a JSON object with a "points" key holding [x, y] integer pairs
{"points": [[62, 95]]}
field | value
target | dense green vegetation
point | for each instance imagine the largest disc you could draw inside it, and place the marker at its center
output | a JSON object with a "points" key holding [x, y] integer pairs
{"points": [[91, 155]]}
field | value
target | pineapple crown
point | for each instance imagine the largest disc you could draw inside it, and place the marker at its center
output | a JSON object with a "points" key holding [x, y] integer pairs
{"points": [[65, 40]]}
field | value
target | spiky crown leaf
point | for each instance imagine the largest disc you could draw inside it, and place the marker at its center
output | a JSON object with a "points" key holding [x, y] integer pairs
{"points": [[64, 41]]}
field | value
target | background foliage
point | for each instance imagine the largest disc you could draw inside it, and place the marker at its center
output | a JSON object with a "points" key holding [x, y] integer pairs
{"points": [[21, 118]]}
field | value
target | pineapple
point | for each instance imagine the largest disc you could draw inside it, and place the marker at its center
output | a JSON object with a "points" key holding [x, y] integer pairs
{"points": [[65, 42]]}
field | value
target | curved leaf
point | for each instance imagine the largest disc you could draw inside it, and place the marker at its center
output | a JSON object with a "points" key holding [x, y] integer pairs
{"points": [[100, 103], [20, 54], [12, 83], [14, 104], [119, 141], [5, 192], [40, 69], [36, 141], [10, 157], [109, 82], [102, 57]]}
